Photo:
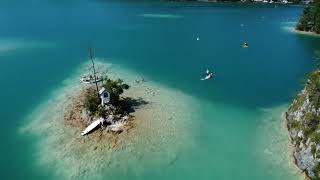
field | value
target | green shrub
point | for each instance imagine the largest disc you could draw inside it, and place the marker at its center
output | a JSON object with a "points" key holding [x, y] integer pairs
{"points": [[295, 125], [313, 149], [311, 120], [310, 123], [92, 102], [299, 102], [310, 19], [315, 137], [115, 88], [101, 112], [316, 171]]}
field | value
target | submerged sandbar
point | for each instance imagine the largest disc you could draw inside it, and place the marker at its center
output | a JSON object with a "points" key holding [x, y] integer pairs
{"points": [[162, 127]]}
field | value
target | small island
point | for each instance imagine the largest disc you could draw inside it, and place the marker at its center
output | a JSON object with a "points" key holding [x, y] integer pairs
{"points": [[99, 105], [101, 108]]}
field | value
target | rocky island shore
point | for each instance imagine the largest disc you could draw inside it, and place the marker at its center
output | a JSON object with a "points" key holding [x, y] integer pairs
{"points": [[303, 122]]}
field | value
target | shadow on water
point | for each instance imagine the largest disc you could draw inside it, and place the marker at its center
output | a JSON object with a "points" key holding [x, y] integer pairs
{"points": [[131, 104]]}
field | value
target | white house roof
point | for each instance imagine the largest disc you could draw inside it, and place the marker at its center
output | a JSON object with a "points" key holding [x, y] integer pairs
{"points": [[102, 90]]}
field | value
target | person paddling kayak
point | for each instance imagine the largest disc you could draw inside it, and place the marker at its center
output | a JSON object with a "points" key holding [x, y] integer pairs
{"points": [[245, 45], [209, 75]]}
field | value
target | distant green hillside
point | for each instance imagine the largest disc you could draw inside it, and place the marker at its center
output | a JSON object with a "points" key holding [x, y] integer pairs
{"points": [[310, 20], [279, 1]]}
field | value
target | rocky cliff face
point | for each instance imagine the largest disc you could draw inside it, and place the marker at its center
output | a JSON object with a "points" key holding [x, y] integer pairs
{"points": [[304, 128]]}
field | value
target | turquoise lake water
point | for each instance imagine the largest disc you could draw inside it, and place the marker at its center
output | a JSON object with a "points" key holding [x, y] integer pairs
{"points": [[239, 133]]}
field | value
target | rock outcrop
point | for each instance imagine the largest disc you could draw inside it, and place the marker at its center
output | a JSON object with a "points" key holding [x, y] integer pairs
{"points": [[304, 128]]}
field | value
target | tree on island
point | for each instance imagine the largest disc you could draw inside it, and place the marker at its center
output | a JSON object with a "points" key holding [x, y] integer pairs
{"points": [[92, 103], [313, 89], [115, 88], [310, 19]]}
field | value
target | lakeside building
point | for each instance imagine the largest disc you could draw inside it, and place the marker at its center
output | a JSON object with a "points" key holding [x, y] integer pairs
{"points": [[104, 96]]}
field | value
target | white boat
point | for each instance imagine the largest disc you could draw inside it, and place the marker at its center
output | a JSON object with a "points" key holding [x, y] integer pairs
{"points": [[90, 79], [265, 1], [92, 126]]}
